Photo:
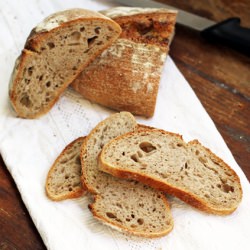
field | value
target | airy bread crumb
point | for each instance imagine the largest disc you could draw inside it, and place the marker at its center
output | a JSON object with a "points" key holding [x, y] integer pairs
{"points": [[164, 161], [54, 54]]}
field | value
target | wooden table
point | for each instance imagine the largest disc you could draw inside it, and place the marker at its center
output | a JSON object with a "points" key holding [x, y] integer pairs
{"points": [[219, 76]]}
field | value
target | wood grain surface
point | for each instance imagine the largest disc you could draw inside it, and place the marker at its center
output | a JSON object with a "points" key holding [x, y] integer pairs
{"points": [[219, 76]]}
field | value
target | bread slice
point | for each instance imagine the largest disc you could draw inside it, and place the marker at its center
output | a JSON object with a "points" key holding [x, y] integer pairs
{"points": [[126, 76], [56, 51], [64, 177], [122, 204], [164, 161]]}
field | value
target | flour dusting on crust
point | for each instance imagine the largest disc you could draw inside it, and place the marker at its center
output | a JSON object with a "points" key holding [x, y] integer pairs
{"points": [[129, 11]]}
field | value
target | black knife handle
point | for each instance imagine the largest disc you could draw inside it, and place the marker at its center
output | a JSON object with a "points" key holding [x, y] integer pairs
{"points": [[230, 33]]}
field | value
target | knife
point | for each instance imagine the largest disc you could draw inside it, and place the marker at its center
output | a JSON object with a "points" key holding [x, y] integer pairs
{"points": [[228, 32]]}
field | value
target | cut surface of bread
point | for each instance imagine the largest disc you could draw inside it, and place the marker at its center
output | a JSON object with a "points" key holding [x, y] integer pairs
{"points": [[126, 76], [64, 177], [122, 204], [56, 51], [164, 161]]}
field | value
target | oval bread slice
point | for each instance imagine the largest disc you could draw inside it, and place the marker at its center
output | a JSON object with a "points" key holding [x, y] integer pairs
{"points": [[64, 178], [164, 161], [56, 51]]}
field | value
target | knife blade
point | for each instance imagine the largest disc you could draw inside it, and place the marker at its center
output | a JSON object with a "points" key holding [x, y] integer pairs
{"points": [[228, 32]]}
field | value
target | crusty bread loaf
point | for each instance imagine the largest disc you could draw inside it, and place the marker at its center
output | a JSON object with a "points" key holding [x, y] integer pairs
{"points": [[64, 178], [122, 204], [164, 161], [126, 76], [56, 51]]}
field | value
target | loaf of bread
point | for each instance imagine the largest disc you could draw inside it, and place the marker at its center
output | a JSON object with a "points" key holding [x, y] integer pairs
{"points": [[56, 51], [126, 76], [164, 161], [64, 177], [122, 204]]}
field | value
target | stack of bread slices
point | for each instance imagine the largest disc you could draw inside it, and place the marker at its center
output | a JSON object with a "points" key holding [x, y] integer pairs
{"points": [[128, 169]]}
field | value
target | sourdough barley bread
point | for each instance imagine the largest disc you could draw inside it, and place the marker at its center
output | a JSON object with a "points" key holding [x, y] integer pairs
{"points": [[64, 177], [164, 161], [126, 76], [56, 51], [122, 204]]}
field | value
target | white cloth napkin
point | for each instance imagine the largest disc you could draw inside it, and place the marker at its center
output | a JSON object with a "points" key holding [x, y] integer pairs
{"points": [[29, 147]]}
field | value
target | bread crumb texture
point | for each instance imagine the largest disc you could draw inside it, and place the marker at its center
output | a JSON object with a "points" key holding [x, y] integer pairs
{"points": [[188, 170], [54, 55]]}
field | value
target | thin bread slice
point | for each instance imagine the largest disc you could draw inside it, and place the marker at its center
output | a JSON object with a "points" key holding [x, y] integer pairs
{"points": [[164, 161], [64, 177], [122, 204], [126, 76], [56, 51]]}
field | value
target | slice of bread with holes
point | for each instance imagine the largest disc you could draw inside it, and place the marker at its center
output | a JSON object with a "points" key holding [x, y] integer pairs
{"points": [[56, 51], [64, 177], [164, 161], [126, 76], [125, 205]]}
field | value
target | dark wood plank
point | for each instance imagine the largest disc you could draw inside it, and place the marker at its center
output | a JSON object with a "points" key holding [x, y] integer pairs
{"points": [[17, 230], [216, 10]]}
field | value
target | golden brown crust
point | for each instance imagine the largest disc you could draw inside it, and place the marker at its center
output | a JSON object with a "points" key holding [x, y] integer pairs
{"points": [[143, 127], [58, 20], [78, 192], [157, 183], [127, 75], [150, 28], [36, 38], [115, 81]]}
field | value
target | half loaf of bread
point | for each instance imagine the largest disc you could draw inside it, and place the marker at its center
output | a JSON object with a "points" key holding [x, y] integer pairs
{"points": [[56, 51], [164, 161], [122, 204], [64, 177], [126, 76]]}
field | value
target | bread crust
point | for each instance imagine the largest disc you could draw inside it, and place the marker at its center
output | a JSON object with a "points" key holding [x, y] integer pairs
{"points": [[72, 17], [166, 187], [79, 191], [33, 48], [127, 75]]}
